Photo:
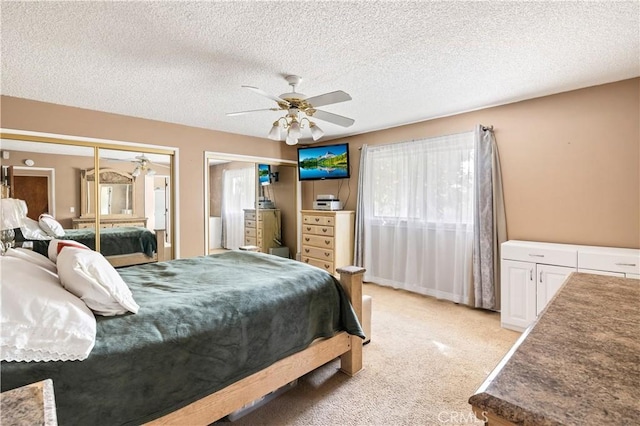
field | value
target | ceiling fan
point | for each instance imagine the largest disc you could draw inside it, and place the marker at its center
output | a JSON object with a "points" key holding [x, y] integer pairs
{"points": [[143, 164], [300, 108]]}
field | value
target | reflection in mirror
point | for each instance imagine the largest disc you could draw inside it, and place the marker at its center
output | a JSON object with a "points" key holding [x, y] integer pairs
{"points": [[252, 205], [116, 192], [50, 185], [135, 199], [58, 177]]}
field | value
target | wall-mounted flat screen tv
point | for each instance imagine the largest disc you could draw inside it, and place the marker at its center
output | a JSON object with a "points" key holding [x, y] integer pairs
{"points": [[264, 174], [323, 162]]}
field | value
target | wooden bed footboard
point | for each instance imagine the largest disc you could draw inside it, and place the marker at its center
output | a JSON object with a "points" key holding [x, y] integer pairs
{"points": [[140, 258], [225, 401]]}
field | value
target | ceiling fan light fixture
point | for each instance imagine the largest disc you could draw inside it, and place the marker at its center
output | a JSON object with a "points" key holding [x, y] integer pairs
{"points": [[291, 140], [150, 171], [316, 131], [136, 172], [294, 129], [274, 133]]}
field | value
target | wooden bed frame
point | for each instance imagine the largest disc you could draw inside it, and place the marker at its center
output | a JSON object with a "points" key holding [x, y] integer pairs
{"points": [[225, 401], [140, 258]]}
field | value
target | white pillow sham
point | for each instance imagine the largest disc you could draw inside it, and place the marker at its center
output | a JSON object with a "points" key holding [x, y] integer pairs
{"points": [[52, 250], [88, 275], [50, 225], [40, 320], [33, 257], [31, 230]]}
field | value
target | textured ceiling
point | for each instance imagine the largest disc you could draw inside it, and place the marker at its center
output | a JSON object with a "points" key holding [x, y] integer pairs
{"points": [[402, 62]]}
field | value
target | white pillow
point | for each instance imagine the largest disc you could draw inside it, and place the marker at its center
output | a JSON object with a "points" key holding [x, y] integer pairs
{"points": [[88, 275], [40, 320], [33, 257], [51, 226], [31, 230], [53, 249]]}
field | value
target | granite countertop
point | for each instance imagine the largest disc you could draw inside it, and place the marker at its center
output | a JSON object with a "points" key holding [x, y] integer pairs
{"points": [[29, 405], [578, 364]]}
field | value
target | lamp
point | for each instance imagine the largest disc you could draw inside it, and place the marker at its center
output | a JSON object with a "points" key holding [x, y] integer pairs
{"points": [[144, 165], [293, 127], [13, 213]]}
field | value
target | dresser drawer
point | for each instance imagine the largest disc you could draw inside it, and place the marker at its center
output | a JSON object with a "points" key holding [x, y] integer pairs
{"points": [[250, 232], [248, 223], [317, 253], [610, 259], [317, 230], [327, 266], [317, 220], [250, 241], [551, 254], [317, 241], [249, 215]]}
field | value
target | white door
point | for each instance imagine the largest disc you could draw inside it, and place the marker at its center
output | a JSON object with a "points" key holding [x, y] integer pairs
{"points": [[518, 294], [549, 280]]}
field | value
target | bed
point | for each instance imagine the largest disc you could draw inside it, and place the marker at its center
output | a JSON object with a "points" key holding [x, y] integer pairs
{"points": [[122, 246], [212, 334]]}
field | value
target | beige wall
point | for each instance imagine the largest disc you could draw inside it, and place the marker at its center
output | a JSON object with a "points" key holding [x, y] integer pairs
{"points": [[570, 163], [24, 114]]}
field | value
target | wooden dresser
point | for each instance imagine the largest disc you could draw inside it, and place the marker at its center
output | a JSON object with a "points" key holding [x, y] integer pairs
{"points": [[327, 238], [262, 229], [89, 222]]}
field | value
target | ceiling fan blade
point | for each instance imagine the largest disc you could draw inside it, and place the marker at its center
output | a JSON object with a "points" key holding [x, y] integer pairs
{"points": [[231, 114], [268, 95], [328, 98], [333, 118]]}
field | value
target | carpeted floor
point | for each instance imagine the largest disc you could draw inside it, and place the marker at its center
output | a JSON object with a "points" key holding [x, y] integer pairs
{"points": [[425, 359]]}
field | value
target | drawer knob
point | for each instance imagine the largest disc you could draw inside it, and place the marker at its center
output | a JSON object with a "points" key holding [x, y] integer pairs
{"points": [[326, 266], [327, 254], [306, 250], [317, 219], [306, 239], [626, 264], [306, 260], [308, 228], [324, 229], [327, 242], [536, 255]]}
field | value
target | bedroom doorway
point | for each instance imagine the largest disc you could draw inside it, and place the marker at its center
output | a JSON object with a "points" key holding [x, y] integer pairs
{"points": [[251, 201], [34, 185]]}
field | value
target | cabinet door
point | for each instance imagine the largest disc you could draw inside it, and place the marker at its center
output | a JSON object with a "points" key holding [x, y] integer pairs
{"points": [[549, 280], [518, 294]]}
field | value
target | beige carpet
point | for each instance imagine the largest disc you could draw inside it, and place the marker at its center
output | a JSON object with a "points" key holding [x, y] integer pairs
{"points": [[425, 359]]}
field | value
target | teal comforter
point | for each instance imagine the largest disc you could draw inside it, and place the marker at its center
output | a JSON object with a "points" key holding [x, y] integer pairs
{"points": [[113, 241], [203, 324]]}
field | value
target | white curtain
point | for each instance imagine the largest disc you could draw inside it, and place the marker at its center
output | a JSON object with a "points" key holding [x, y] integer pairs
{"points": [[238, 193], [417, 213]]}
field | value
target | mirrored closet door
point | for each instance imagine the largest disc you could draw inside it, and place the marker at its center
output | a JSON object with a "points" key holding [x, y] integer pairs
{"points": [[252, 204], [114, 198]]}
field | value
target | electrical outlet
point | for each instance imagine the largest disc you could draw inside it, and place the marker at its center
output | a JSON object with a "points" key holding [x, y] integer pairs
{"points": [[72, 209]]}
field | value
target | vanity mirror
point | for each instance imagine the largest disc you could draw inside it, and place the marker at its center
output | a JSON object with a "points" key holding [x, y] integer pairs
{"points": [[116, 193]]}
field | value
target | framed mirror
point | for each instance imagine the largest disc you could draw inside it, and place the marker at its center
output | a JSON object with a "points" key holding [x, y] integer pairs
{"points": [[116, 190]]}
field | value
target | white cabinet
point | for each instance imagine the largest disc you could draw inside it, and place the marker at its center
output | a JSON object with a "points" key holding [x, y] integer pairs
{"points": [[619, 262], [533, 272]]}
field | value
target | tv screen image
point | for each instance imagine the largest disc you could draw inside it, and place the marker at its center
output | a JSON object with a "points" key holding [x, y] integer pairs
{"points": [[323, 162], [264, 174]]}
